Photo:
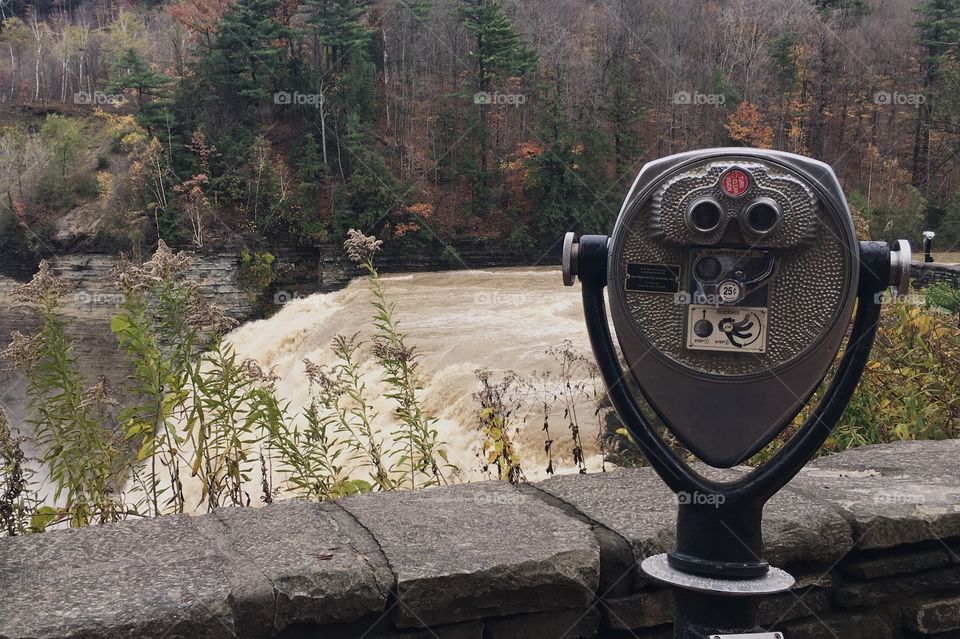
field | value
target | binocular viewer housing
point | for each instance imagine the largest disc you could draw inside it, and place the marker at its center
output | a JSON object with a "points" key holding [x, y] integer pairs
{"points": [[732, 276]]}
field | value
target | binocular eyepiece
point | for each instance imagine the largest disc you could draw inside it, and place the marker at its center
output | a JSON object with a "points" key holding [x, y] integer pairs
{"points": [[762, 216]]}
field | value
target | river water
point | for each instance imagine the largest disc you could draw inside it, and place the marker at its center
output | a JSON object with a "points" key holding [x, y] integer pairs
{"points": [[459, 321], [502, 319]]}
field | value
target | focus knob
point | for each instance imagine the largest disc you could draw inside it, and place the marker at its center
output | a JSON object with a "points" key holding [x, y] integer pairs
{"points": [[571, 249], [900, 259]]}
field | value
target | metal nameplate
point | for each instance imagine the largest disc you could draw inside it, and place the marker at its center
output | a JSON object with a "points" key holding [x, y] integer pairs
{"points": [[653, 278], [755, 635]]}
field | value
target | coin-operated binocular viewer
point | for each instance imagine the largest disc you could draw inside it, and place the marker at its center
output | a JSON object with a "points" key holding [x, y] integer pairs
{"points": [[733, 276]]}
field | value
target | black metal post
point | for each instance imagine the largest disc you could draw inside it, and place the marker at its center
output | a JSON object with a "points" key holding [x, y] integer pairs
{"points": [[702, 615]]}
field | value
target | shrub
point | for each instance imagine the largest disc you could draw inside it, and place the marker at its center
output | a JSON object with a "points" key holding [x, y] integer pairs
{"points": [[17, 501], [499, 403], [256, 273], [911, 389]]}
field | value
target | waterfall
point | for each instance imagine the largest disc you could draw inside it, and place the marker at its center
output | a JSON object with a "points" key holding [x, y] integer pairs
{"points": [[459, 321]]}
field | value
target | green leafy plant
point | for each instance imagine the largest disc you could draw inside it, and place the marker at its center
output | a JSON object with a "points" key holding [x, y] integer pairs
{"points": [[85, 458], [234, 408], [942, 295], [160, 343], [256, 273], [910, 389], [339, 439], [312, 455], [424, 458]]}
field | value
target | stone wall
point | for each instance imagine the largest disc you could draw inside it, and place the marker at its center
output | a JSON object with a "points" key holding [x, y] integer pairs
{"points": [[873, 536], [925, 274]]}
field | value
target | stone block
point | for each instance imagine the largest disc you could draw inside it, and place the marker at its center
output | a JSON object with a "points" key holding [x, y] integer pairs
{"points": [[896, 562], [849, 626], [644, 609], [857, 594], [893, 494], [479, 550], [234, 573], [568, 624], [933, 616]]}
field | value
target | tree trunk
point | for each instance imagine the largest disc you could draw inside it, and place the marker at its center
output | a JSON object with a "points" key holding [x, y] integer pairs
{"points": [[13, 73], [323, 128], [921, 139]]}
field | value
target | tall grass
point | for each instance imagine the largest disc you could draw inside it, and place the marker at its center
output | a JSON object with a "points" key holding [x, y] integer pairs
{"points": [[83, 453], [201, 412], [424, 460]]}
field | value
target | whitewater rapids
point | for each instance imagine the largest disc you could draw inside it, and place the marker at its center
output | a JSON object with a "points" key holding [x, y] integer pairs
{"points": [[459, 321]]}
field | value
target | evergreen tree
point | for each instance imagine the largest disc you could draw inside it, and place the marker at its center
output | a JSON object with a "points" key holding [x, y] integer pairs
{"points": [[312, 180], [624, 112], [132, 73], [339, 29], [939, 37], [371, 195], [723, 87], [310, 161], [245, 61], [566, 180], [782, 51], [498, 50], [226, 95], [358, 90], [783, 56]]}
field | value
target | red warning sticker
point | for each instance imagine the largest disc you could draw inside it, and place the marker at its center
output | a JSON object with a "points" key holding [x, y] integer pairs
{"points": [[735, 183]]}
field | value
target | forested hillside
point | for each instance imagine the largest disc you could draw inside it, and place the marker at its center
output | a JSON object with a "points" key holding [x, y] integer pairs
{"points": [[220, 123]]}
